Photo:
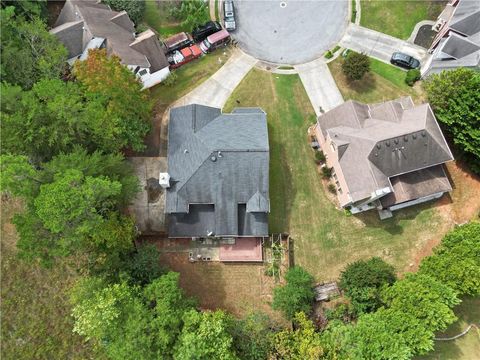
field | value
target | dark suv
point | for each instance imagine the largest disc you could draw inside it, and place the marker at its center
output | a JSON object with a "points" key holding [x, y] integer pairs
{"points": [[200, 33], [404, 60]]}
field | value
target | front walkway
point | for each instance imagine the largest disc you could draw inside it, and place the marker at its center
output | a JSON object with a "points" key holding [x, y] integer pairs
{"points": [[378, 45], [319, 85]]}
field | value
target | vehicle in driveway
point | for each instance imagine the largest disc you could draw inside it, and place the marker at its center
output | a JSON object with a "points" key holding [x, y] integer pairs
{"points": [[229, 15], [220, 38], [404, 61], [200, 33], [183, 56], [177, 42]]}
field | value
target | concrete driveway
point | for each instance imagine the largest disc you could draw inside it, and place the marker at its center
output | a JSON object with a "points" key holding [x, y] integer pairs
{"points": [[319, 85], [289, 31], [217, 89], [378, 45]]}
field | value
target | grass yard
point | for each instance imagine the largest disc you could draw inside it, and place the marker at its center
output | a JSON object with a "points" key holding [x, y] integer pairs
{"points": [[466, 347], [325, 238], [383, 82], [156, 17], [36, 322], [398, 17]]}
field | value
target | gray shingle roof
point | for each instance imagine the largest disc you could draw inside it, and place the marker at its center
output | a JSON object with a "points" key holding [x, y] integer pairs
{"points": [[396, 138], [99, 21], [221, 160]]}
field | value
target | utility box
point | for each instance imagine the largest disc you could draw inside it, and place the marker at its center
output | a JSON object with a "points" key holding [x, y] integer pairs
{"points": [[164, 180]]}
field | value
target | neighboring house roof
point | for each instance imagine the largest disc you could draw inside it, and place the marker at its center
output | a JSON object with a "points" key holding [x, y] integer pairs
{"points": [[219, 172], [379, 141], [81, 21], [461, 48]]}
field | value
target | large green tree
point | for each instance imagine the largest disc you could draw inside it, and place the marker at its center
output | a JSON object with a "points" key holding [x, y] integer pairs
{"points": [[127, 109], [205, 336], [252, 337], [29, 52], [454, 96], [297, 295], [134, 8], [355, 66], [456, 261], [73, 205], [362, 281], [425, 298]]}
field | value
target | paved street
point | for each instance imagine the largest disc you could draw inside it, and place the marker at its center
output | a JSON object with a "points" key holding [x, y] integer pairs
{"points": [[289, 31], [378, 45], [319, 85]]}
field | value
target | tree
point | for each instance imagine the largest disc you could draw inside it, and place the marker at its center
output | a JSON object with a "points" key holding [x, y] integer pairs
{"points": [[193, 13], [303, 343], [129, 322], [143, 265], [128, 109], [27, 8], [252, 337], [362, 281], [134, 8], [73, 205], [29, 52], [454, 96], [297, 295], [205, 335], [356, 65], [425, 298], [456, 261]]}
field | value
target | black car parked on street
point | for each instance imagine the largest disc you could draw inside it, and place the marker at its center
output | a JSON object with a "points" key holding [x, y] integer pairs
{"points": [[200, 33]]}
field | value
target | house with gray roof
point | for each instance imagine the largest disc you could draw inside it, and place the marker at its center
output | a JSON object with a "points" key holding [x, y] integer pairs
{"points": [[457, 43], [217, 185], [88, 24], [384, 156]]}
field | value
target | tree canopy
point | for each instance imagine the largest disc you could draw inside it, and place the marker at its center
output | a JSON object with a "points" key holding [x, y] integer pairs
{"points": [[297, 295], [356, 65], [454, 96], [134, 8], [362, 281], [29, 52]]}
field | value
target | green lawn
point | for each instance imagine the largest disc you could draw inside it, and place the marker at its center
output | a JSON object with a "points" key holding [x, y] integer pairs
{"points": [[466, 347], [36, 322], [383, 82], [155, 16], [325, 238], [398, 18]]}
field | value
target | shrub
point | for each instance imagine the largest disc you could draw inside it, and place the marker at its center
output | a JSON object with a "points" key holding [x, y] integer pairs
{"points": [[319, 157], [342, 312], [297, 295], [336, 48], [362, 280], [356, 65], [171, 79], [332, 188], [412, 76], [328, 54], [326, 172]]}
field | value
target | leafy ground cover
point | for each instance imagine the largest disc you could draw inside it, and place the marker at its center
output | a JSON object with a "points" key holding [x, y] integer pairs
{"points": [[326, 240], [398, 18], [466, 347], [36, 322]]}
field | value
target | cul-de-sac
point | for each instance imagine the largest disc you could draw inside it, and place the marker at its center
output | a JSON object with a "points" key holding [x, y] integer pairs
{"points": [[240, 179]]}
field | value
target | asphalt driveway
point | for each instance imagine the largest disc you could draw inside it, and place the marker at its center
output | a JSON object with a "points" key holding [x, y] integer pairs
{"points": [[289, 31]]}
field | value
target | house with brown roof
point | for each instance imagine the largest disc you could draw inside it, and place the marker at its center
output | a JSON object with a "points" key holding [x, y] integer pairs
{"points": [[384, 156], [457, 43], [88, 24]]}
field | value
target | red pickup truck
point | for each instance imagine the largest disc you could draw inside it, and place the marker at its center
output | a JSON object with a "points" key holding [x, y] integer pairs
{"points": [[183, 56]]}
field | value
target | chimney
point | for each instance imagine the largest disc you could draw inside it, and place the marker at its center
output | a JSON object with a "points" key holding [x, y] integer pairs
{"points": [[164, 180]]}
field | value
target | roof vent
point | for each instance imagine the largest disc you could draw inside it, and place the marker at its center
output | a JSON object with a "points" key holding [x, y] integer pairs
{"points": [[220, 154], [213, 158], [395, 141], [405, 138], [379, 146], [185, 151], [414, 136], [387, 143], [424, 133]]}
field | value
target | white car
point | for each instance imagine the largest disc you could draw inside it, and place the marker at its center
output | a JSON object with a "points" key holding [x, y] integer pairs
{"points": [[229, 15]]}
